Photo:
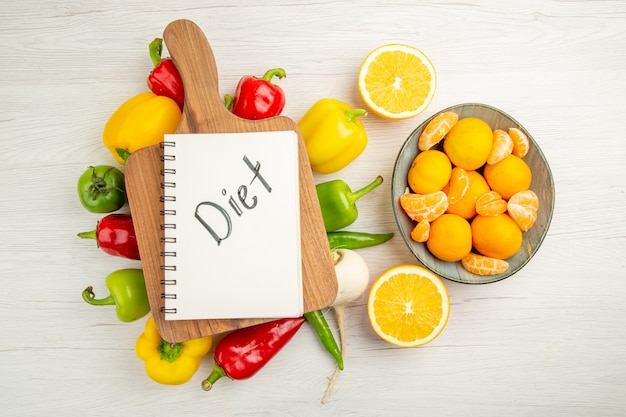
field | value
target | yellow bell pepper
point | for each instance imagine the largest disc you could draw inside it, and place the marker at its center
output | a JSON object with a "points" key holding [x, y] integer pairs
{"points": [[139, 122], [333, 135], [170, 363]]}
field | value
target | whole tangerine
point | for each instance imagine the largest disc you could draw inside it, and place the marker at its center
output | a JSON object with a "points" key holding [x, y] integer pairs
{"points": [[508, 176], [468, 143], [450, 238], [496, 236], [429, 172]]}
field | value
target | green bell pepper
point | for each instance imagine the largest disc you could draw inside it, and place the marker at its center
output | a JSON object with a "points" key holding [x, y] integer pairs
{"points": [[128, 294], [101, 189], [338, 202]]}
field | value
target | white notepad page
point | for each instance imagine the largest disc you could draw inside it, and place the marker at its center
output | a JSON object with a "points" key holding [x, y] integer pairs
{"points": [[236, 238]]}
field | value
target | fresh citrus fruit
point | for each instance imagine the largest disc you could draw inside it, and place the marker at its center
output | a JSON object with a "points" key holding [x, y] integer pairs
{"points": [[522, 208], [436, 129], [458, 185], [468, 143], [466, 206], [484, 265], [450, 238], [490, 204], [501, 148], [429, 172], [496, 236], [421, 231], [424, 206], [521, 143], [508, 176], [408, 305], [397, 81]]}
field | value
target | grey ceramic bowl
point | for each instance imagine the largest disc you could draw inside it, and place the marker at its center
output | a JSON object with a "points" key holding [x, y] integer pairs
{"points": [[542, 184]]}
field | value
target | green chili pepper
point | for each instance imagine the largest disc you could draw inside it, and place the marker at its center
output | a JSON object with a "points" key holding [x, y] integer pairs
{"points": [[317, 320], [356, 240], [128, 294], [338, 202]]}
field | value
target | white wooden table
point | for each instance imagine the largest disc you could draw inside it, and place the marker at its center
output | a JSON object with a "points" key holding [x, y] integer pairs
{"points": [[549, 341]]}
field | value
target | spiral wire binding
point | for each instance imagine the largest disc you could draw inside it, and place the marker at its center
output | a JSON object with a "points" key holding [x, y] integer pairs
{"points": [[165, 186]]}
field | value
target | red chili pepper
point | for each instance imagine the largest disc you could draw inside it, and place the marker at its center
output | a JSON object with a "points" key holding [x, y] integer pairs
{"points": [[243, 352], [257, 98], [115, 235], [164, 79]]}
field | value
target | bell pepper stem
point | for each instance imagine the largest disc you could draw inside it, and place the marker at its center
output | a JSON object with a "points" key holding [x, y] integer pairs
{"points": [[156, 48], [99, 185], [88, 235], [354, 196], [170, 351], [228, 102], [353, 114], [274, 72], [216, 374], [90, 298]]}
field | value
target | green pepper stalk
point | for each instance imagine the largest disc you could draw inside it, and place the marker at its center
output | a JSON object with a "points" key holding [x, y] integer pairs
{"points": [[356, 240], [127, 292], [317, 320], [338, 202]]}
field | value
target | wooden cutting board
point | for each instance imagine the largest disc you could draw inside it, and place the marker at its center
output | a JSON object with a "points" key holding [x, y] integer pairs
{"points": [[204, 112]]}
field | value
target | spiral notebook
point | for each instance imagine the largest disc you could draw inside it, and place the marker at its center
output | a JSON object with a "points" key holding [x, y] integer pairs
{"points": [[231, 226]]}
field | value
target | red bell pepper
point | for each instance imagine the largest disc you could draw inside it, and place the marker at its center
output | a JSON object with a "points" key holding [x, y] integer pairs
{"points": [[257, 98], [243, 352], [164, 79], [115, 235]]}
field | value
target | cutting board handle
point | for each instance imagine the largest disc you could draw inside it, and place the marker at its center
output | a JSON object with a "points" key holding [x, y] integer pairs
{"points": [[190, 50]]}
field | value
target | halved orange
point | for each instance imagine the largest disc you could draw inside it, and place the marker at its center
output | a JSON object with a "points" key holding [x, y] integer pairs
{"points": [[397, 81], [408, 305], [436, 129], [424, 206], [484, 265], [522, 207]]}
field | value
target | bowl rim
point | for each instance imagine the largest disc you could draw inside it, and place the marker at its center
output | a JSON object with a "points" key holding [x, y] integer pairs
{"points": [[480, 279]]}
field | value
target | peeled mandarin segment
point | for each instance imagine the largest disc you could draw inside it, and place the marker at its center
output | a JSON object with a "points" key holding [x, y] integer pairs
{"points": [[526, 198], [421, 231], [490, 204], [466, 207], [522, 208], [458, 186], [501, 148], [408, 306], [424, 206], [484, 265], [397, 81], [521, 143], [436, 129]]}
